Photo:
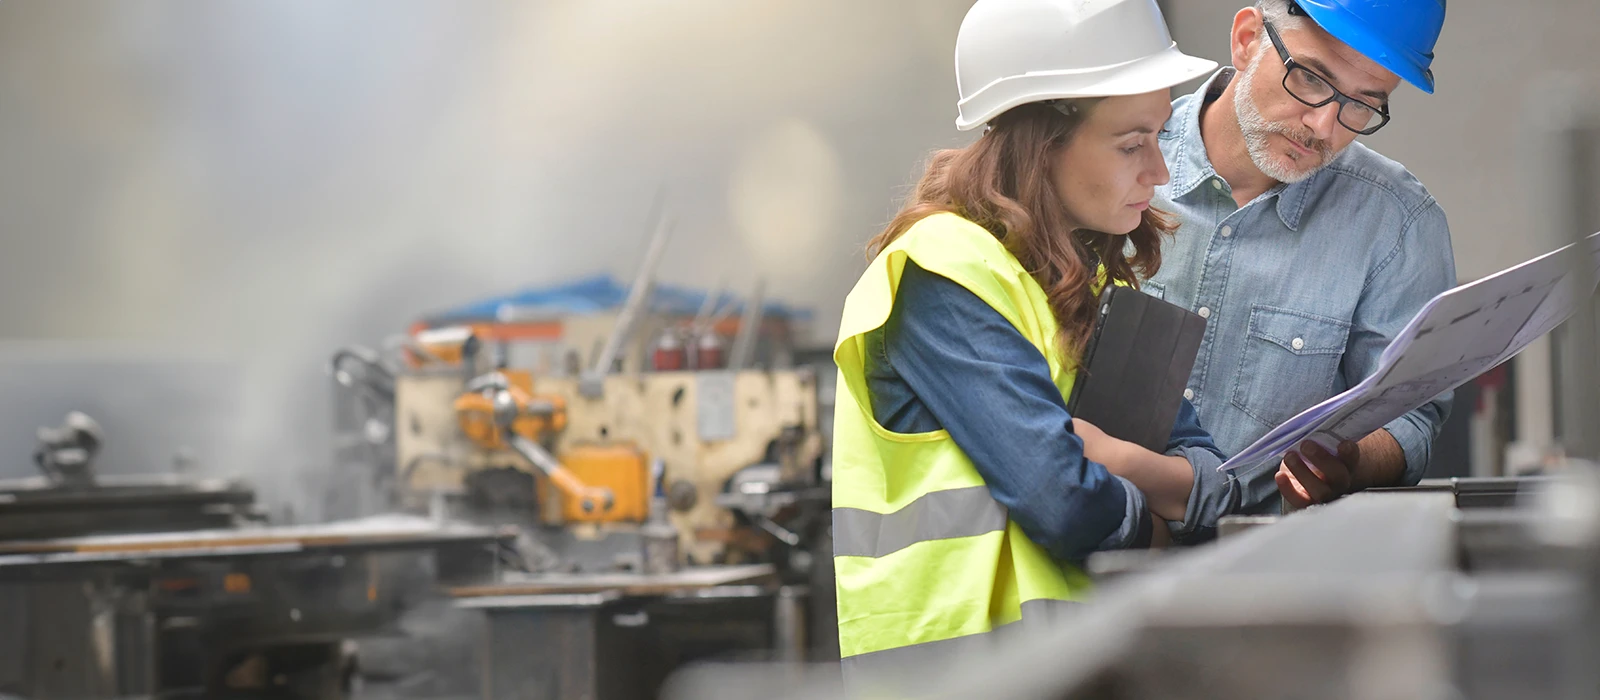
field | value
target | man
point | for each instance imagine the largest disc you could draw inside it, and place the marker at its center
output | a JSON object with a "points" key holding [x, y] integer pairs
{"points": [[1305, 251]]}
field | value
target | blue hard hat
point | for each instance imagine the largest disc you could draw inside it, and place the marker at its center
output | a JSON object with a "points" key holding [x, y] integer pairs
{"points": [[1397, 34]]}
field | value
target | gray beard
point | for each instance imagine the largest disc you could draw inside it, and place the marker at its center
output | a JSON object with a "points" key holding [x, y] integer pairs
{"points": [[1257, 130]]}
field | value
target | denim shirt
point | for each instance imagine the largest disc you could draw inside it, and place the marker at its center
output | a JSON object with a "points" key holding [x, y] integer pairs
{"points": [[1302, 288], [945, 358]]}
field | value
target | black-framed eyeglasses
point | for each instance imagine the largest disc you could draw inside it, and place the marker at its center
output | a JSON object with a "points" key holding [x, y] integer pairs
{"points": [[1313, 90]]}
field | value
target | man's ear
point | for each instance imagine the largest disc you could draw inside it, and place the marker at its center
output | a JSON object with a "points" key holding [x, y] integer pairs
{"points": [[1244, 40]]}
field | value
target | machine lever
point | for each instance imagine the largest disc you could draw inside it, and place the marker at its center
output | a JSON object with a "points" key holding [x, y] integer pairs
{"points": [[590, 498]]}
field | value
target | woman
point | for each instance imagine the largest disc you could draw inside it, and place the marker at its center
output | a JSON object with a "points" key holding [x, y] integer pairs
{"points": [[964, 493]]}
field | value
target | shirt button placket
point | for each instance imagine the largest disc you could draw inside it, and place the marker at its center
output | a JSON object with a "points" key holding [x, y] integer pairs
{"points": [[1203, 359]]}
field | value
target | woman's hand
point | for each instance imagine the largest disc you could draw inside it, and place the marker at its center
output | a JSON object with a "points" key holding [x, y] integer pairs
{"points": [[1115, 454], [1160, 535], [1165, 480]]}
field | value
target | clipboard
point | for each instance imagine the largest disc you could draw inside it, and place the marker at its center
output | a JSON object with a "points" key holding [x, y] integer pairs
{"points": [[1135, 367]]}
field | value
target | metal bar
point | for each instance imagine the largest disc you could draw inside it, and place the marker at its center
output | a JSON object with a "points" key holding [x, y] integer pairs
{"points": [[1562, 126], [749, 326], [692, 579], [546, 600], [1579, 131], [703, 317], [789, 623], [29, 564], [638, 296]]}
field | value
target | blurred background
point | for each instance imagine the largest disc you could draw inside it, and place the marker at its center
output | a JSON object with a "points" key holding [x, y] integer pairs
{"points": [[256, 183], [200, 200], [249, 184]]}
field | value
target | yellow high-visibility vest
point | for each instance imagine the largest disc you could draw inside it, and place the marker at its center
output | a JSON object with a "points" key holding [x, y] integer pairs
{"points": [[926, 559]]}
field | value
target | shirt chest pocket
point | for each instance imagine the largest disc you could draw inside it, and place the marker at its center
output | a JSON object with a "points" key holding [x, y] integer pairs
{"points": [[1289, 364]]}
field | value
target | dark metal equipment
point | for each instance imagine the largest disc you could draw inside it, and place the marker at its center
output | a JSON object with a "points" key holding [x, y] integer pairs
{"points": [[66, 454], [165, 586], [619, 637]]}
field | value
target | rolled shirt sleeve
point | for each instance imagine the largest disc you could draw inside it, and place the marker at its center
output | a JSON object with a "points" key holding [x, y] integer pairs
{"points": [[1388, 303]]}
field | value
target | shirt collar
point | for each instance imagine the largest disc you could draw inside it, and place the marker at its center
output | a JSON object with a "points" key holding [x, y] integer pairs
{"points": [[1292, 200], [1190, 166]]}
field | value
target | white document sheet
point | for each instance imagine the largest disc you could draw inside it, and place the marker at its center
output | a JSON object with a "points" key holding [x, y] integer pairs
{"points": [[1458, 335]]}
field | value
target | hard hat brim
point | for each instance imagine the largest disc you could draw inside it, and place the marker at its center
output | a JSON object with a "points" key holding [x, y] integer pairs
{"points": [[1158, 71]]}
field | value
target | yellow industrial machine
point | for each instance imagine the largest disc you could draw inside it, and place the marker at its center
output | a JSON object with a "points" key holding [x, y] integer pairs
{"points": [[499, 412], [625, 428], [726, 451], [679, 488]]}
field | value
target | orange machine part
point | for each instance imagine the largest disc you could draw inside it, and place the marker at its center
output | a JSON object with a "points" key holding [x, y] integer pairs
{"points": [[475, 414], [621, 467]]}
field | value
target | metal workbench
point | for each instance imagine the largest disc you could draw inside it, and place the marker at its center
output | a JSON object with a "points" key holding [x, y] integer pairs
{"points": [[187, 614]]}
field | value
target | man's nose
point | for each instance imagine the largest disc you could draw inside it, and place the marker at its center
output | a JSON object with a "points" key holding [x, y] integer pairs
{"points": [[1323, 121]]}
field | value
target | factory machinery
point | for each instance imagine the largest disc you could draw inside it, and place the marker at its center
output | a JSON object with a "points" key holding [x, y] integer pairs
{"points": [[669, 495], [170, 586]]}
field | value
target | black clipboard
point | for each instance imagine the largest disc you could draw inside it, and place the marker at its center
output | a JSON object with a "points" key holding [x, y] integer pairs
{"points": [[1135, 367]]}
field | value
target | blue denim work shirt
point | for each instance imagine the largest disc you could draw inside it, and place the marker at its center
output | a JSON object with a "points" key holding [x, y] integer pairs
{"points": [[1302, 289]]}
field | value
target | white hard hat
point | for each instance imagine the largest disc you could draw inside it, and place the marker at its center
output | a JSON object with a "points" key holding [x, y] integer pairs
{"points": [[1012, 52]]}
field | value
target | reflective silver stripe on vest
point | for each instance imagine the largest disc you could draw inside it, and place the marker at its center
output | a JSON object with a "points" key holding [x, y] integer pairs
{"points": [[941, 515], [902, 668]]}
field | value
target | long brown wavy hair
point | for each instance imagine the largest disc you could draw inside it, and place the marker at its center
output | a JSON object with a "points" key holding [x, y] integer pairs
{"points": [[1005, 182]]}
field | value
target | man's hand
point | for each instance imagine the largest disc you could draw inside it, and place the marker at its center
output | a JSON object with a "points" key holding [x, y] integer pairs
{"points": [[1376, 460], [1327, 477]]}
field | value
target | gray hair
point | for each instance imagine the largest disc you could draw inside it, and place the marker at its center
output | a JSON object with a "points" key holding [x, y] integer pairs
{"points": [[1277, 12]]}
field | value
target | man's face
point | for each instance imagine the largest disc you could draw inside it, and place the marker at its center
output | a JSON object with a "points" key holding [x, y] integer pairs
{"points": [[1287, 140]]}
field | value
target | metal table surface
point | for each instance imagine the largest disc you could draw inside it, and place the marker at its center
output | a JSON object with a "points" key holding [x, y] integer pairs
{"points": [[624, 583], [367, 534]]}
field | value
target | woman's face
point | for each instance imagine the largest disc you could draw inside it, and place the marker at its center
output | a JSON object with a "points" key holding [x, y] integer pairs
{"points": [[1110, 167]]}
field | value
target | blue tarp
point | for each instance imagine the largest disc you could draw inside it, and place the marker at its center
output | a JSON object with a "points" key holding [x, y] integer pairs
{"points": [[597, 294]]}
